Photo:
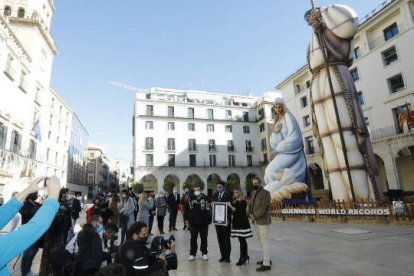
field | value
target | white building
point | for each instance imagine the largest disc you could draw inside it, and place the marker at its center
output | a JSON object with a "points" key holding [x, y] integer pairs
{"points": [[383, 71], [182, 133], [26, 99]]}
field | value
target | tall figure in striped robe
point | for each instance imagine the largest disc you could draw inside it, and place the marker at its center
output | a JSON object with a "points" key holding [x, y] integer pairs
{"points": [[342, 131]]}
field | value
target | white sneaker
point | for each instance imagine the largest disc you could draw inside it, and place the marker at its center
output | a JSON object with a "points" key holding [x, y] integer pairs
{"points": [[205, 257], [191, 258]]}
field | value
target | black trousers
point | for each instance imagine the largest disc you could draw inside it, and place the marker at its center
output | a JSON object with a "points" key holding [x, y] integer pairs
{"points": [[160, 220], [243, 247], [194, 231], [223, 237], [150, 222], [123, 223], [173, 218]]}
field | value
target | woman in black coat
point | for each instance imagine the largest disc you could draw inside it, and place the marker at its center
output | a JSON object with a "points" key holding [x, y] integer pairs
{"points": [[90, 251], [241, 225]]}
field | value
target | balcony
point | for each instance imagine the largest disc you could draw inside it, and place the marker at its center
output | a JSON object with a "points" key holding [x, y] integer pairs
{"points": [[38, 99], [23, 86], [230, 148], [10, 72], [14, 165], [212, 148], [192, 149], [249, 149], [388, 132], [377, 42]]}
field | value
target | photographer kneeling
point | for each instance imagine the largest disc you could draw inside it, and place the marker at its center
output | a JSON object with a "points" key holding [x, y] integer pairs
{"points": [[136, 257]]}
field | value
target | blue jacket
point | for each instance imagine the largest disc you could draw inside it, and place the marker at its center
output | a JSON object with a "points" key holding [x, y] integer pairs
{"points": [[17, 241]]}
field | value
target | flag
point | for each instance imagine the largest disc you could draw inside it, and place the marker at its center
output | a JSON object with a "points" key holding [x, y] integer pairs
{"points": [[36, 130], [410, 116]]}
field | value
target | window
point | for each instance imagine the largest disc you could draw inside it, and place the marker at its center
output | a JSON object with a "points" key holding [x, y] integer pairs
{"points": [[366, 121], [190, 112], [171, 144], [308, 84], [212, 160], [7, 11], [56, 158], [245, 116], [228, 128], [149, 143], [150, 110], [309, 145], [389, 56], [9, 68], [228, 115], [149, 125], [171, 111], [51, 120], [249, 161], [91, 155], [49, 135], [306, 121], [32, 149], [171, 160], [3, 135], [390, 31], [396, 83], [20, 12], [16, 141], [191, 127], [211, 145], [171, 126], [192, 145], [230, 145], [193, 160], [263, 143], [355, 74], [360, 98], [53, 103], [248, 145], [57, 140], [261, 127], [304, 101], [246, 129], [149, 160], [90, 179], [210, 114], [23, 84], [232, 161], [357, 52], [210, 128], [297, 89], [265, 158], [47, 155], [91, 167], [261, 114]]}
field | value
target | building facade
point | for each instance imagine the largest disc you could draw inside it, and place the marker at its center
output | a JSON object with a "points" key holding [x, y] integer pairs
{"points": [[77, 152], [181, 134], [382, 71], [35, 123]]}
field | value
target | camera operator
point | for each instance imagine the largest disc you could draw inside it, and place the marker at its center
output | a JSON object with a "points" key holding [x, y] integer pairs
{"points": [[135, 256]]}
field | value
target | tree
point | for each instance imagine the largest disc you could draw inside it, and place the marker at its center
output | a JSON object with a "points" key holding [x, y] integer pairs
{"points": [[138, 187], [193, 181], [249, 185], [168, 186], [231, 184]]}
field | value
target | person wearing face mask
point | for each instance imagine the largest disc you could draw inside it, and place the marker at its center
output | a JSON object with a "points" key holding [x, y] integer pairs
{"points": [[173, 200], [240, 225], [74, 208], [224, 231], [126, 212], [161, 204], [94, 210], [260, 216], [134, 254], [90, 247], [199, 221], [185, 202]]}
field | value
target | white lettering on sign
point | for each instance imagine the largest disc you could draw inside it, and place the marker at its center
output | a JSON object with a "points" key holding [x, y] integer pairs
{"points": [[332, 211]]}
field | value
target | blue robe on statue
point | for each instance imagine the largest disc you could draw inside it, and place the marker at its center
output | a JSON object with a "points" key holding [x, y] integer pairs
{"points": [[289, 164]]}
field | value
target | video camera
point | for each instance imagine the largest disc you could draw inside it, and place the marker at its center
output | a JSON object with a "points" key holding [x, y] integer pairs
{"points": [[160, 245]]}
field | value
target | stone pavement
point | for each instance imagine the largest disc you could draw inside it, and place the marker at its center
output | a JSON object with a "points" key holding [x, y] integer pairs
{"points": [[305, 249]]}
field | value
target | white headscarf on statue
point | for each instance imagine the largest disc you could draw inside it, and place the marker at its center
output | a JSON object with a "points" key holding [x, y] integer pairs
{"points": [[279, 101]]}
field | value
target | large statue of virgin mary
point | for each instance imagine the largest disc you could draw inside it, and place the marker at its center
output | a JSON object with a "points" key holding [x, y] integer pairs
{"points": [[285, 175]]}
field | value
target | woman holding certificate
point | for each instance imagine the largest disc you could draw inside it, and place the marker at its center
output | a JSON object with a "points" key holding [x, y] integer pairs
{"points": [[241, 226]]}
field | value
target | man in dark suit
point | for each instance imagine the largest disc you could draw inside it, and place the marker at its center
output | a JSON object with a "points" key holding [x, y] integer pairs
{"points": [[224, 231], [173, 200]]}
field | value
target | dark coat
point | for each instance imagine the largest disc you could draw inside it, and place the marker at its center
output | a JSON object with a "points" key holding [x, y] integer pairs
{"points": [[90, 252], [199, 210], [260, 205], [172, 203], [226, 197]]}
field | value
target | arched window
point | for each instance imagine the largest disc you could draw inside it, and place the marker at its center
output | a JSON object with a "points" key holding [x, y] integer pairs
{"points": [[20, 12], [7, 11]]}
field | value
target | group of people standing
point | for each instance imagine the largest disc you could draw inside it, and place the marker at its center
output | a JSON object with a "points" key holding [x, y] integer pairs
{"points": [[197, 215]]}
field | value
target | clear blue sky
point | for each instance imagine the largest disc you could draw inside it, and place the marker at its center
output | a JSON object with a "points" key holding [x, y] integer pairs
{"points": [[231, 46]]}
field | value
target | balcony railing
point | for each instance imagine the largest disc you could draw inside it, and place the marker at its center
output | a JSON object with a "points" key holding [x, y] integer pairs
{"points": [[249, 149], [212, 148], [10, 72], [14, 164], [230, 148], [23, 86], [387, 132], [377, 42]]}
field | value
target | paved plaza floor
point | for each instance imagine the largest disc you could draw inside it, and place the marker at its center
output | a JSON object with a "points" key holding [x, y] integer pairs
{"points": [[305, 249]]}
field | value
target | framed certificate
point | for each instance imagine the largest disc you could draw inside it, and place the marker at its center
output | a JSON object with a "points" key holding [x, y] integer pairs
{"points": [[220, 213]]}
